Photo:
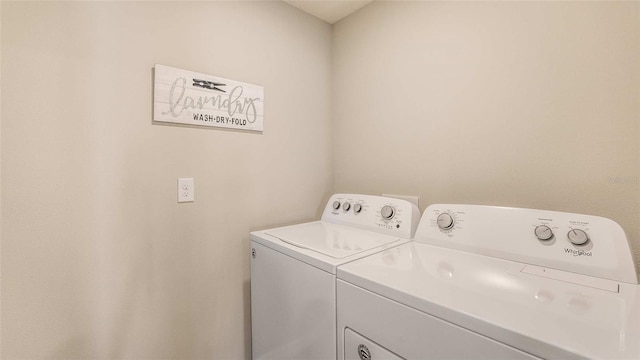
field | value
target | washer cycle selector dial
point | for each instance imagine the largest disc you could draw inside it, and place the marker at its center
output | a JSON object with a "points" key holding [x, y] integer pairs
{"points": [[387, 212], [543, 232], [336, 204], [445, 221], [577, 237], [357, 208], [346, 206]]}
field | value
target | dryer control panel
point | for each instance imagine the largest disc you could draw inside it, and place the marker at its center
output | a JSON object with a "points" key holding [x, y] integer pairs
{"points": [[582, 244], [374, 213]]}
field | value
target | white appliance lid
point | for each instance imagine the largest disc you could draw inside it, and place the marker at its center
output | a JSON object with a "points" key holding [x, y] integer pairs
{"points": [[505, 300], [336, 241]]}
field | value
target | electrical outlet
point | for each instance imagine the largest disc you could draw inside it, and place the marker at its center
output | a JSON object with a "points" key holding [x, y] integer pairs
{"points": [[186, 190]]}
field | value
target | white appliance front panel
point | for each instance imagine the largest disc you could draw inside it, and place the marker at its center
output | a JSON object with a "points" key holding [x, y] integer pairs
{"points": [[292, 308], [545, 316], [408, 333], [358, 347], [336, 241]]}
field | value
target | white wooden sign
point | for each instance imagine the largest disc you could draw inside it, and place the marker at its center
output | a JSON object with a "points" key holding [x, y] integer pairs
{"points": [[187, 97]]}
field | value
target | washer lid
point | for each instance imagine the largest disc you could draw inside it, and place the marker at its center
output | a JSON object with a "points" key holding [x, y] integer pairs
{"points": [[336, 241]]}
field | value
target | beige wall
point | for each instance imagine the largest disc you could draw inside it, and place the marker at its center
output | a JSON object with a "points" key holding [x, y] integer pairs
{"points": [[0, 182], [530, 104], [517, 104], [98, 259]]}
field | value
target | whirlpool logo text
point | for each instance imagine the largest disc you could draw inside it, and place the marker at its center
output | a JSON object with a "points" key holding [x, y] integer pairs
{"points": [[575, 252]]}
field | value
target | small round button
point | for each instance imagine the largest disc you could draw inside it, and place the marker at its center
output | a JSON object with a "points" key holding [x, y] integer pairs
{"points": [[336, 204], [346, 206], [543, 232], [387, 212], [445, 221], [357, 208], [577, 237]]}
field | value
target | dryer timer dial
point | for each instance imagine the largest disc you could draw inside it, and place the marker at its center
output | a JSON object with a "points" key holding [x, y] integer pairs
{"points": [[445, 221]]}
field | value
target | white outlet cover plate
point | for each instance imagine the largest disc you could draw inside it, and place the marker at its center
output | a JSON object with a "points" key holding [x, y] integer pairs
{"points": [[186, 190]]}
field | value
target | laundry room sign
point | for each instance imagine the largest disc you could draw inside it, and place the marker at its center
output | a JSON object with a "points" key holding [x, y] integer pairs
{"points": [[187, 97]]}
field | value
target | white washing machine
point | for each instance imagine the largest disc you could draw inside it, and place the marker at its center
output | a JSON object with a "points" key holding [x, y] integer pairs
{"points": [[293, 272], [483, 282]]}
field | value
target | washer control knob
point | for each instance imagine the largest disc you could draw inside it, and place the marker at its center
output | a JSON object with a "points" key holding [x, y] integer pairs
{"points": [[445, 221], [577, 237], [387, 212], [346, 206], [543, 232], [357, 208], [336, 204]]}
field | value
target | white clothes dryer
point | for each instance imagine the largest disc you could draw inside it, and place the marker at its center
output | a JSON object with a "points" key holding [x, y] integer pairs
{"points": [[293, 272], [482, 282]]}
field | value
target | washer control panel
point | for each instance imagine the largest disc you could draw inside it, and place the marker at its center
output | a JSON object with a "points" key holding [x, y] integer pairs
{"points": [[583, 244], [376, 213]]}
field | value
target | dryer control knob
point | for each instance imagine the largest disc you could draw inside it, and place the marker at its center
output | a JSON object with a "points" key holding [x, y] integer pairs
{"points": [[346, 206], [543, 232], [445, 221], [577, 237], [336, 204], [387, 212]]}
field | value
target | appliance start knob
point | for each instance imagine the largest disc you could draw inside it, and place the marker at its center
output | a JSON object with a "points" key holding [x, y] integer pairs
{"points": [[346, 206], [387, 212], [445, 221], [336, 204], [577, 237], [357, 208], [543, 232]]}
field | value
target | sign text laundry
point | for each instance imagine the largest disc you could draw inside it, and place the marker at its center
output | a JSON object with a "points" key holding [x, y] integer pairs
{"points": [[187, 97]]}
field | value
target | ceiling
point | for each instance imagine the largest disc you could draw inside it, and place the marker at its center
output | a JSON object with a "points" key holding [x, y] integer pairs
{"points": [[328, 10]]}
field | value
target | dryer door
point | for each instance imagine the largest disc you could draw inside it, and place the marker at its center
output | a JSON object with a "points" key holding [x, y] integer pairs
{"points": [[358, 347]]}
